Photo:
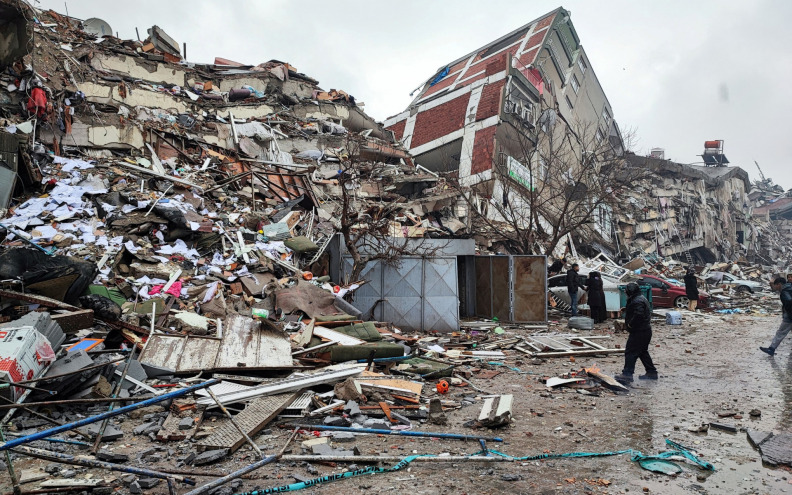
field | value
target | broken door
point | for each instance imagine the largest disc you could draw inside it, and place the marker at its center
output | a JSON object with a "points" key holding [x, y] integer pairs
{"points": [[511, 288]]}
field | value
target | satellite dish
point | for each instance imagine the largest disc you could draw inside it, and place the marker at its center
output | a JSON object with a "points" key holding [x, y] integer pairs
{"points": [[97, 26]]}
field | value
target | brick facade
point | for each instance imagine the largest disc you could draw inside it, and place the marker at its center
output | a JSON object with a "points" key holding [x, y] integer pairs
{"points": [[483, 150], [543, 23], [398, 129], [446, 82], [439, 121], [490, 103]]}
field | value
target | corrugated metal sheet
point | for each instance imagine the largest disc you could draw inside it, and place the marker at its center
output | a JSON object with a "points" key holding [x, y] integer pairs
{"points": [[418, 294]]}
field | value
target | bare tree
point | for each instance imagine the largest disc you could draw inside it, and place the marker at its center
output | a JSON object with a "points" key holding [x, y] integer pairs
{"points": [[367, 224], [557, 179]]}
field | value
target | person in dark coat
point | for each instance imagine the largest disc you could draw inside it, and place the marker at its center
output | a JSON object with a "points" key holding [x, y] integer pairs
{"points": [[596, 297], [638, 321], [556, 267], [691, 289], [574, 282]]}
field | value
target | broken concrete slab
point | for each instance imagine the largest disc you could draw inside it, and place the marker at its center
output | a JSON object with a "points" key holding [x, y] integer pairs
{"points": [[352, 408], [496, 411], [343, 436], [209, 457], [147, 483], [335, 421], [114, 457], [756, 437], [436, 414], [777, 450], [111, 433]]}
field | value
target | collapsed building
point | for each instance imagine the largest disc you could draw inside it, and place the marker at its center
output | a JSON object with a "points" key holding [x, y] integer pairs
{"points": [[197, 219], [698, 214]]}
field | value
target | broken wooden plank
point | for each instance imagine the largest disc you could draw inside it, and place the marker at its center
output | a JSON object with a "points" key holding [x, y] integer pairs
{"points": [[73, 321], [583, 352], [607, 380], [341, 338], [253, 419]]}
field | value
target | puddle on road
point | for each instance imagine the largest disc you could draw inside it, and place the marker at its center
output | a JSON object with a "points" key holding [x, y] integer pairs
{"points": [[691, 395]]}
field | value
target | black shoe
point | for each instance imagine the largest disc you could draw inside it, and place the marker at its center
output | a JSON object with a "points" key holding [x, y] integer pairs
{"points": [[622, 378], [769, 350], [649, 376]]}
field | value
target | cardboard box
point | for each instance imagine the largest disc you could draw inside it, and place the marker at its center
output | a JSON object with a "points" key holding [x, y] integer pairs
{"points": [[24, 354]]}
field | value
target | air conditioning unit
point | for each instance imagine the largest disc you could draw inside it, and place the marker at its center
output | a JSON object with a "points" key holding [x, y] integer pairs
{"points": [[511, 107], [526, 114]]}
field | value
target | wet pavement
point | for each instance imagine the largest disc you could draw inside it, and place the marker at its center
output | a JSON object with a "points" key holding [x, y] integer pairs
{"points": [[705, 368]]}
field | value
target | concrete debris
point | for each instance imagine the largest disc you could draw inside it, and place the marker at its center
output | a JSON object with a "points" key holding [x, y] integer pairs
{"points": [[240, 227], [496, 411], [209, 457]]}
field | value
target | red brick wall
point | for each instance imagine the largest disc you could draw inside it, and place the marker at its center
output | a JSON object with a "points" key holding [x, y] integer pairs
{"points": [[490, 102], [544, 23], [483, 150], [446, 82], [535, 40], [473, 79], [497, 64], [440, 120], [527, 58], [398, 129]]}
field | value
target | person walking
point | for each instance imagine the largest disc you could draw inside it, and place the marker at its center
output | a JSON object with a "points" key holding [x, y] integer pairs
{"points": [[691, 289], [638, 321], [784, 289], [596, 297], [574, 282]]}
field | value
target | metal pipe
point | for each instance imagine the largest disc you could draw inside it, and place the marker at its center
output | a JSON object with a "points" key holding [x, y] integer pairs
{"points": [[43, 416], [108, 414], [234, 422], [230, 477], [72, 402], [82, 461], [58, 440], [4, 384], [116, 391], [10, 466], [375, 431], [391, 458]]}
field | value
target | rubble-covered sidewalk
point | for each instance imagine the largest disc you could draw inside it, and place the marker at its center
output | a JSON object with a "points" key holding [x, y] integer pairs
{"points": [[173, 317]]}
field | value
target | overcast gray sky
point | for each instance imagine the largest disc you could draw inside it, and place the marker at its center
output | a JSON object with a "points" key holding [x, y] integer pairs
{"points": [[677, 72]]}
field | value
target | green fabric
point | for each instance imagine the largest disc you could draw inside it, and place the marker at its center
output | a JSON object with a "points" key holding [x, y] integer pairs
{"points": [[341, 353], [114, 295], [425, 367], [301, 244], [364, 331]]}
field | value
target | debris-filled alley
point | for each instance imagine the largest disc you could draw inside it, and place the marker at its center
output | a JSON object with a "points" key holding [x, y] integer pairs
{"points": [[223, 278]]}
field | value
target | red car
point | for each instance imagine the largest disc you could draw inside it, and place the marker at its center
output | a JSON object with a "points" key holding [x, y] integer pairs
{"points": [[666, 294]]}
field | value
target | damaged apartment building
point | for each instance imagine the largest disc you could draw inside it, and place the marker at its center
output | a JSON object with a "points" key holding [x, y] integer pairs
{"points": [[480, 116], [465, 118]]}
